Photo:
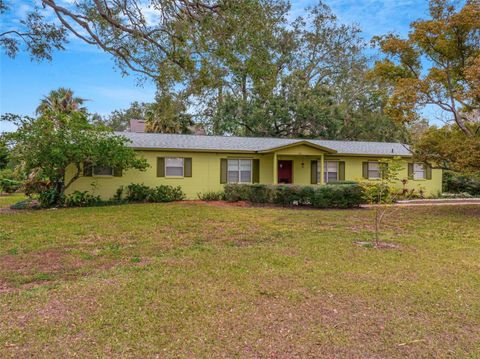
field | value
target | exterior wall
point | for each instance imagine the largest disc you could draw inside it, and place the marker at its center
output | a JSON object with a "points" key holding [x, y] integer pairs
{"points": [[206, 172], [353, 172]]}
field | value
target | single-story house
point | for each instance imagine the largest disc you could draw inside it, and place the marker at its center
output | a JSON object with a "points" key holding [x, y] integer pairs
{"points": [[200, 163]]}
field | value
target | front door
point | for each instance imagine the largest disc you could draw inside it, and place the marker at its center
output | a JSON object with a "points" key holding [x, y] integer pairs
{"points": [[285, 174]]}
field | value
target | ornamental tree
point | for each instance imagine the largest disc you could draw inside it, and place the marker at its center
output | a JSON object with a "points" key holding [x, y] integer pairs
{"points": [[45, 148]]}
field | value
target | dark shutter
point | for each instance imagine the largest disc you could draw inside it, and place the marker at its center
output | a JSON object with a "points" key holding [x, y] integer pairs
{"points": [[256, 171], [428, 172], [87, 169], [341, 171], [223, 170], [365, 170], [410, 171], [117, 172], [160, 166], [187, 167], [314, 172]]}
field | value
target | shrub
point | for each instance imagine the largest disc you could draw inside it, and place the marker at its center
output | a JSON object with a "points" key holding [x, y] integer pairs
{"points": [[236, 192], [454, 183], [211, 196], [118, 196], [50, 198], [81, 199], [331, 196], [338, 196], [137, 192], [260, 193], [163, 193], [9, 185]]}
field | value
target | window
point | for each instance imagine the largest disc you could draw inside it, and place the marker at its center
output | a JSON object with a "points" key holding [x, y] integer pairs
{"points": [[373, 170], [102, 171], [330, 171], [173, 167], [239, 171], [418, 171]]}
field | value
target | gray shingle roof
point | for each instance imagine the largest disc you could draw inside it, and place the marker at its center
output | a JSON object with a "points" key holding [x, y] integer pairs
{"points": [[254, 144]]}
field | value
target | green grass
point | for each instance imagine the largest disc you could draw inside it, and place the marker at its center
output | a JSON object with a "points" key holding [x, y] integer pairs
{"points": [[195, 280]]}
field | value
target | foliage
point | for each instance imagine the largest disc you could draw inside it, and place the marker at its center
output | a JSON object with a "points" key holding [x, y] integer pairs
{"points": [[51, 197], [211, 196], [45, 148], [9, 186], [34, 31], [163, 193], [9, 181], [438, 65], [447, 147], [81, 199], [244, 67], [325, 196], [118, 196], [4, 156], [61, 101], [119, 120], [456, 183]]}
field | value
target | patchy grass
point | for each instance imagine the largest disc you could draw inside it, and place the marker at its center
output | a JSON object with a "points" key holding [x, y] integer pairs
{"points": [[194, 280]]}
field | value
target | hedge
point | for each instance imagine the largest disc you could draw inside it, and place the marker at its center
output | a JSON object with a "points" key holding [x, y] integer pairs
{"points": [[322, 196]]}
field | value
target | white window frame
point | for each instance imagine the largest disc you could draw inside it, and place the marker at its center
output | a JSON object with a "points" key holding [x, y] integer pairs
{"points": [[102, 175], [325, 170], [239, 170], [379, 170], [423, 171], [166, 166]]}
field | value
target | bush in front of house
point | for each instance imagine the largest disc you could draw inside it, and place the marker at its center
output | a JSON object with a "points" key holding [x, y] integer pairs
{"points": [[163, 193], [211, 196], [81, 199], [323, 196]]}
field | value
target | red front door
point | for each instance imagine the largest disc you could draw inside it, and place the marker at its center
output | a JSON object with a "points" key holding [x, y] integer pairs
{"points": [[285, 172]]}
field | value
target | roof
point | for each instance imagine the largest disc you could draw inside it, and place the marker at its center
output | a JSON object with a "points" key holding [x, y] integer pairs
{"points": [[258, 144]]}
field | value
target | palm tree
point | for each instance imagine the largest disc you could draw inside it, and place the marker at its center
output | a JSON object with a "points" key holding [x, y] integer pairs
{"points": [[61, 101]]}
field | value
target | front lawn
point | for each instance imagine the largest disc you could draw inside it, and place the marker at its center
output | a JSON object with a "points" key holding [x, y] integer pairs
{"points": [[195, 280]]}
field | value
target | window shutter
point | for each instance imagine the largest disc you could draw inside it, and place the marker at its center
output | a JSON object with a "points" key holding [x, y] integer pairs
{"points": [[428, 172], [87, 169], [117, 172], [187, 167], [314, 172], [256, 170], [160, 166], [365, 170], [223, 170], [341, 171], [410, 171]]}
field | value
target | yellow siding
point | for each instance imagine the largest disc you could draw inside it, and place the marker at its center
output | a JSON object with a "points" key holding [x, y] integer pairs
{"points": [[206, 172]]}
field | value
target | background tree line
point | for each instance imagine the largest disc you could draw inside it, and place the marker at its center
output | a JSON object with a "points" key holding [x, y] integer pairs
{"points": [[244, 68]]}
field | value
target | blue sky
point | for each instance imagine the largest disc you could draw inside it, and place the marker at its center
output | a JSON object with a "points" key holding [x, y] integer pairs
{"points": [[92, 74]]}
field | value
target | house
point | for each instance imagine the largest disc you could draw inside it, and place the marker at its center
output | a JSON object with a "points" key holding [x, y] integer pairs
{"points": [[205, 163]]}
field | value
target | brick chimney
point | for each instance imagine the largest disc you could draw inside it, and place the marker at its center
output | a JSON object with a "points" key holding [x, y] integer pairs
{"points": [[137, 126]]}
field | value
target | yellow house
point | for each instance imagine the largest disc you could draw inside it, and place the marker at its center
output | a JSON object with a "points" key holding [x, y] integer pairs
{"points": [[200, 163]]}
